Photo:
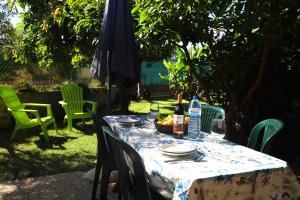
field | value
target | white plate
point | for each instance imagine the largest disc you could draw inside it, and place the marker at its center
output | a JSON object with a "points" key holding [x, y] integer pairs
{"points": [[182, 147], [177, 154], [127, 120]]}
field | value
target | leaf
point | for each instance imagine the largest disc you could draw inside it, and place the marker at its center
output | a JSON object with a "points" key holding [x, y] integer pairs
{"points": [[255, 30], [143, 16], [135, 9]]}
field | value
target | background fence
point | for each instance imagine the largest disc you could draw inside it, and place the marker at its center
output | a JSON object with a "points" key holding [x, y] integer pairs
{"points": [[18, 75], [13, 73], [33, 77]]}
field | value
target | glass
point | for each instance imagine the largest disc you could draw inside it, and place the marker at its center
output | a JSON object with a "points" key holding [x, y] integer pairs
{"points": [[218, 126], [217, 130], [153, 112]]}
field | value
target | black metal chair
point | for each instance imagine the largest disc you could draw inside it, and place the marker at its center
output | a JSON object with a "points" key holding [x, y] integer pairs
{"points": [[105, 161], [133, 179]]}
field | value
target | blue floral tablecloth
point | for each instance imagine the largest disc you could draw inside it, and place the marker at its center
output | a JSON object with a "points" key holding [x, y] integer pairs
{"points": [[226, 170]]}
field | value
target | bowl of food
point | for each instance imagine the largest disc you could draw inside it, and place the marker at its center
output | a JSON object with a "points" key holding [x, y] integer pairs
{"points": [[165, 125]]}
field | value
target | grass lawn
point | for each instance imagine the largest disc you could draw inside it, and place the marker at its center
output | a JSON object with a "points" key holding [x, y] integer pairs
{"points": [[167, 106]]}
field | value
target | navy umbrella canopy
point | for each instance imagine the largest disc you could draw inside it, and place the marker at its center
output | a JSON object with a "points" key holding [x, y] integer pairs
{"points": [[115, 59]]}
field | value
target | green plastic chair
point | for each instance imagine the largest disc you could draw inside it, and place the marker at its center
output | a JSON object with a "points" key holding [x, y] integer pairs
{"points": [[20, 114], [208, 113], [268, 128], [73, 104]]}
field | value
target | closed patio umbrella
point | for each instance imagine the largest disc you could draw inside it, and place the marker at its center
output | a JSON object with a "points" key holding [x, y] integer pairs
{"points": [[115, 60]]}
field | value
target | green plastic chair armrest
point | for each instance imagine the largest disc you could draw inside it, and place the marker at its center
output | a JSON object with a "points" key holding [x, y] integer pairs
{"points": [[23, 110], [48, 106], [63, 103], [93, 103], [35, 112], [90, 102], [37, 104]]}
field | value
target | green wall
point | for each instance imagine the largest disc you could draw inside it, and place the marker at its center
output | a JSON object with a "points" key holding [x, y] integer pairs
{"points": [[150, 72]]}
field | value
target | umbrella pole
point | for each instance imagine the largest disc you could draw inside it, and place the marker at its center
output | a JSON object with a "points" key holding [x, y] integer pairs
{"points": [[108, 83]]}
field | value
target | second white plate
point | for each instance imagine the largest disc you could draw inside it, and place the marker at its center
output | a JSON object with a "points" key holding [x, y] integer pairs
{"points": [[177, 154], [182, 147]]}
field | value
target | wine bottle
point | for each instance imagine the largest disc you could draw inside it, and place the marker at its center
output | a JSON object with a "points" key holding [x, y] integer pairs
{"points": [[178, 119]]}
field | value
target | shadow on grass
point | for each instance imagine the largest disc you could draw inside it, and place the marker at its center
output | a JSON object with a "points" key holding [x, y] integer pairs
{"points": [[26, 136], [87, 128], [54, 142], [28, 155], [22, 164], [63, 135]]}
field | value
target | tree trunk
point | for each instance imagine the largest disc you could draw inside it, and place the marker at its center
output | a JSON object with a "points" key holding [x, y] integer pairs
{"points": [[235, 108]]}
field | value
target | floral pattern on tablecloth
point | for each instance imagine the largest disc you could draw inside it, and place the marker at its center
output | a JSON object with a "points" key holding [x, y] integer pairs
{"points": [[227, 171]]}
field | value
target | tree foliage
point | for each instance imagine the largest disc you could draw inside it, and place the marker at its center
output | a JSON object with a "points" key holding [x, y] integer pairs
{"points": [[244, 43], [7, 31], [61, 33]]}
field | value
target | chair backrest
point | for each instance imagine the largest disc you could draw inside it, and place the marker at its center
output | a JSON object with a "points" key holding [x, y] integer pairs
{"points": [[208, 114], [131, 169], [13, 103], [73, 96], [268, 128]]}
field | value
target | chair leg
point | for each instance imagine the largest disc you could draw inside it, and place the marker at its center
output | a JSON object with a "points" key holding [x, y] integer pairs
{"points": [[105, 176], [65, 119], [45, 132], [55, 126], [69, 120], [96, 179], [14, 133]]}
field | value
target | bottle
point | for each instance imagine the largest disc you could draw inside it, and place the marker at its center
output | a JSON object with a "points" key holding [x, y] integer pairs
{"points": [[194, 127], [178, 119]]}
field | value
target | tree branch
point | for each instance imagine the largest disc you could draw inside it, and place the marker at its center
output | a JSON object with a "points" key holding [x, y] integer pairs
{"points": [[261, 72]]}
